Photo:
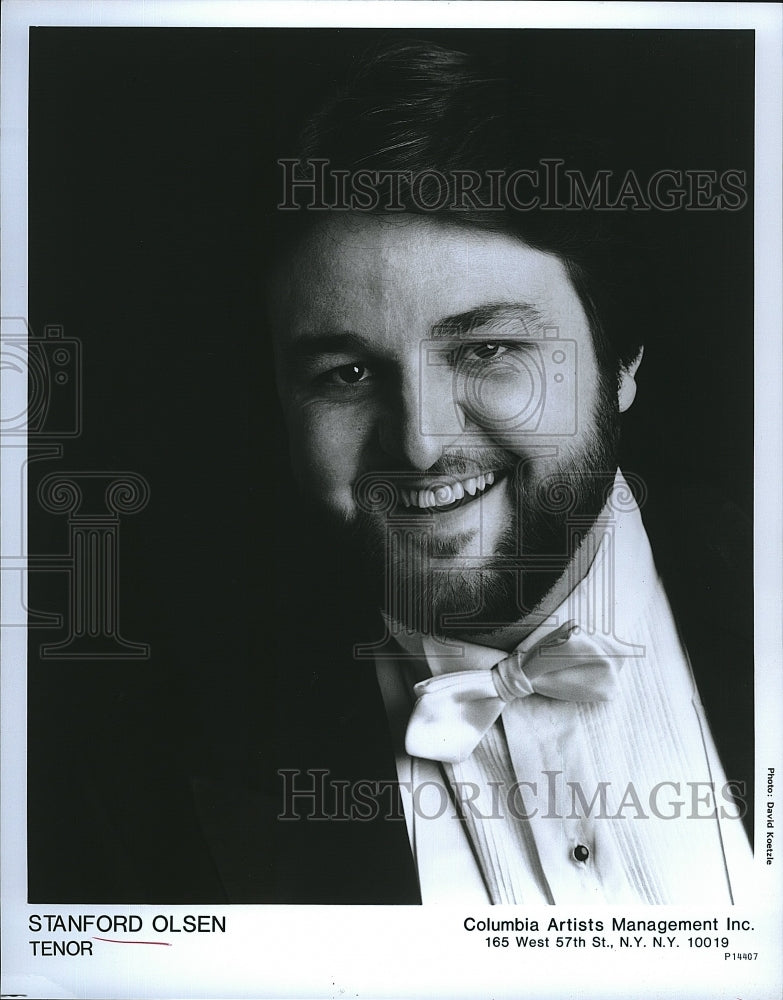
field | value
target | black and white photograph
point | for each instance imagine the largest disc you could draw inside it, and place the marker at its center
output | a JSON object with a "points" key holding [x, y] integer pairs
{"points": [[391, 500]]}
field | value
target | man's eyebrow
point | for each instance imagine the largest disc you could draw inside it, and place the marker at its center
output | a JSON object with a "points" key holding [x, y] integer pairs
{"points": [[327, 342], [311, 345], [497, 314]]}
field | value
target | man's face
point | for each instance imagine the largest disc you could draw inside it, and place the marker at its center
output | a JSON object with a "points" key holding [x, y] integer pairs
{"points": [[457, 367]]}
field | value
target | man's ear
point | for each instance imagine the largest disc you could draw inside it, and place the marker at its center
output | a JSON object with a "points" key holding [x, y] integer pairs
{"points": [[626, 383]]}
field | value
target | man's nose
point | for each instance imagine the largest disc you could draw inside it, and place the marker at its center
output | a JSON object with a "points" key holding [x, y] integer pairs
{"points": [[422, 418]]}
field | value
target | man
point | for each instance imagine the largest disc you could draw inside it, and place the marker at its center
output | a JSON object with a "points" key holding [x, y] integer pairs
{"points": [[272, 749], [456, 358], [453, 368]]}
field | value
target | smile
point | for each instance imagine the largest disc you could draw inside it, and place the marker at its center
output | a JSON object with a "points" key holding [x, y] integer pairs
{"points": [[448, 496]]}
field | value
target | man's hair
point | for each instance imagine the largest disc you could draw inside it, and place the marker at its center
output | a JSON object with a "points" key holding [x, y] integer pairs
{"points": [[414, 107]]}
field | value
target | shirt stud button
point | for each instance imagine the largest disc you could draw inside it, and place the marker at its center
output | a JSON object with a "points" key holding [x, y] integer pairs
{"points": [[581, 853]]}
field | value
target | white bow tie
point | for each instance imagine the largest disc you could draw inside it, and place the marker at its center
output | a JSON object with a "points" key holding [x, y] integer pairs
{"points": [[454, 711]]}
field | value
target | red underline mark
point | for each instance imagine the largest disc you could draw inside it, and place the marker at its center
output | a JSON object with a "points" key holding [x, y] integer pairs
{"points": [[165, 944]]}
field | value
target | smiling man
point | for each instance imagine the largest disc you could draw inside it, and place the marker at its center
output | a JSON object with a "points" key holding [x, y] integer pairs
{"points": [[429, 357], [453, 371]]}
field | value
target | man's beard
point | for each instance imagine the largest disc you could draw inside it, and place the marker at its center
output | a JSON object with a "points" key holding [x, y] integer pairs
{"points": [[404, 568]]}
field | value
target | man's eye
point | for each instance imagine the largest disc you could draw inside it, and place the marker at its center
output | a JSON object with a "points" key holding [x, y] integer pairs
{"points": [[489, 350], [484, 352], [350, 374]]}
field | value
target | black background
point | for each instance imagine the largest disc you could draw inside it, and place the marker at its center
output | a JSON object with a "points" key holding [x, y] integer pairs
{"points": [[152, 156]]}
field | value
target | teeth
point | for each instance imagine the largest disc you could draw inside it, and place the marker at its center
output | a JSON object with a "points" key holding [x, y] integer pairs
{"points": [[445, 494]]}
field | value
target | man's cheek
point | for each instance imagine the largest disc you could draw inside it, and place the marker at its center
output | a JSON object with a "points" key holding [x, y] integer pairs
{"points": [[504, 399], [324, 470]]}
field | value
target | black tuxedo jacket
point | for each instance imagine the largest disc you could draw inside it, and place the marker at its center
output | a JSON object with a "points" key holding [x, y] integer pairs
{"points": [[146, 786]]}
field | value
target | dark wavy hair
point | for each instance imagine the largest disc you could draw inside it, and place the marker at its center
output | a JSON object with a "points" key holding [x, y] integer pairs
{"points": [[416, 106]]}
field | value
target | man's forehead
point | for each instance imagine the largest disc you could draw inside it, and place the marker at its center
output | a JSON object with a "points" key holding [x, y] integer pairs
{"points": [[392, 242], [413, 269]]}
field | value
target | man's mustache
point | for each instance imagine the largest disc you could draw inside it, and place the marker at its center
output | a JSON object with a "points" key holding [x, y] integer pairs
{"points": [[456, 464]]}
